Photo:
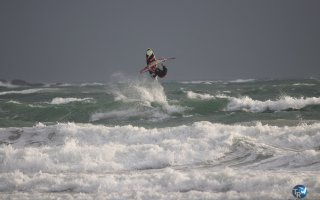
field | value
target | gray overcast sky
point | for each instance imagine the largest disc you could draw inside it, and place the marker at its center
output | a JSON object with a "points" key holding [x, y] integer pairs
{"points": [[87, 41]]}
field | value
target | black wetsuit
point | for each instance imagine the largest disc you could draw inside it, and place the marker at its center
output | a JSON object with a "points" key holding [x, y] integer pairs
{"points": [[161, 73], [157, 72]]}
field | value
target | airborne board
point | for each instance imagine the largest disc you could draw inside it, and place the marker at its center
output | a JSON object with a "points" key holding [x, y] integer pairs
{"points": [[155, 63]]}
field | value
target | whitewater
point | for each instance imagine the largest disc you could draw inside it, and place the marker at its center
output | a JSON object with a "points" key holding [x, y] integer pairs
{"points": [[146, 139]]}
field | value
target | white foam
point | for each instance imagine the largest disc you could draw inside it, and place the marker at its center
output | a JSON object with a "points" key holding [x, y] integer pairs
{"points": [[66, 146], [91, 84], [286, 102], [144, 91], [304, 84], [165, 184], [63, 84], [202, 160], [194, 95], [205, 96], [242, 80], [8, 85], [115, 113], [60, 100], [14, 102], [146, 114], [27, 91], [198, 82], [36, 106]]}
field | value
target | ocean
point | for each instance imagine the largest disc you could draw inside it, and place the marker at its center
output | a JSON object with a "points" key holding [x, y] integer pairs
{"points": [[146, 139]]}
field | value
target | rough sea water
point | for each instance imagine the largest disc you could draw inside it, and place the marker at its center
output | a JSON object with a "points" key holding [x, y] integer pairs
{"points": [[145, 139]]}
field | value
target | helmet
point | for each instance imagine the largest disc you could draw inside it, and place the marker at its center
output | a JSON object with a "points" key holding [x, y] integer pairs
{"points": [[149, 52]]}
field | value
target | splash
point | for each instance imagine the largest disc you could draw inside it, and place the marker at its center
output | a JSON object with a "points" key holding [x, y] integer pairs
{"points": [[146, 99], [144, 91]]}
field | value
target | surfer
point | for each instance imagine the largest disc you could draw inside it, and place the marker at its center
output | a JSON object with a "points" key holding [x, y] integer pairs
{"points": [[153, 69]]}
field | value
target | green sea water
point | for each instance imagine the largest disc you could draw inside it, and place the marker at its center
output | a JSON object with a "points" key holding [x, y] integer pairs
{"points": [[151, 103]]}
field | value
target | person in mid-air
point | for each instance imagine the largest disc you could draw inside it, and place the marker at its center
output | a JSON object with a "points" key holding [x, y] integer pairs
{"points": [[155, 71]]}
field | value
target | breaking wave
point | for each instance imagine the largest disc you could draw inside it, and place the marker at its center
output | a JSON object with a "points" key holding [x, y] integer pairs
{"points": [[194, 95], [91, 84], [250, 105], [8, 85], [166, 184], [151, 114], [14, 102], [286, 102], [27, 91], [242, 80], [85, 147], [198, 82], [205, 158], [60, 100], [304, 84]]}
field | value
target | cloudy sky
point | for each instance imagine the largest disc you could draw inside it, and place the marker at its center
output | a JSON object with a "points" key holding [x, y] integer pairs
{"points": [[88, 41]]}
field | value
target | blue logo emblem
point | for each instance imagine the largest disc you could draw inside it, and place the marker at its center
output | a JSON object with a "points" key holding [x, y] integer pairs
{"points": [[299, 191]]}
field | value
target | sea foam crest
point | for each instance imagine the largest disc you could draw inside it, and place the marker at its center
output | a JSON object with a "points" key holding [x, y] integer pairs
{"points": [[194, 95], [198, 160], [242, 80], [86, 147], [250, 105], [166, 184], [8, 85], [198, 82], [141, 94], [151, 114], [60, 100], [27, 91], [304, 84], [286, 102], [14, 102]]}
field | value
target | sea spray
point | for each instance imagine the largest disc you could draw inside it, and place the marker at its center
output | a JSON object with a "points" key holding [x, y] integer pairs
{"points": [[147, 98]]}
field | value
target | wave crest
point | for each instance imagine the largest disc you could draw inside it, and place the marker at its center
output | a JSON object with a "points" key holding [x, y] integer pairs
{"points": [[286, 102], [60, 100], [194, 95], [64, 146], [27, 91]]}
